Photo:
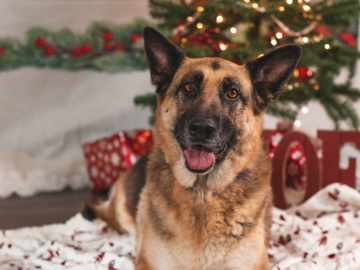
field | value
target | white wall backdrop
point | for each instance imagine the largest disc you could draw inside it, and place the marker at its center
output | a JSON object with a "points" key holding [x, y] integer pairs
{"points": [[45, 114]]}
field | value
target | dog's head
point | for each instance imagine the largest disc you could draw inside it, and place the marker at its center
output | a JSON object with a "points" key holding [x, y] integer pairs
{"points": [[209, 115]]}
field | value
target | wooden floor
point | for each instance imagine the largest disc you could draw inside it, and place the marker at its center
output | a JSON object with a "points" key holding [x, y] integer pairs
{"points": [[16, 212]]}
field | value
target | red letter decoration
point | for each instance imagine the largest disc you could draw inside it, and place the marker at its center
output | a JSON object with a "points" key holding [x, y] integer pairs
{"points": [[333, 141], [314, 175], [331, 148]]}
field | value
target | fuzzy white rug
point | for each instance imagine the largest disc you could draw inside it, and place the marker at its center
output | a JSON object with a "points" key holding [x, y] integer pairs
{"points": [[323, 233]]}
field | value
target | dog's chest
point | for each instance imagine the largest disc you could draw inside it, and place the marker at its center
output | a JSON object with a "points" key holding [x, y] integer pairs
{"points": [[211, 233]]}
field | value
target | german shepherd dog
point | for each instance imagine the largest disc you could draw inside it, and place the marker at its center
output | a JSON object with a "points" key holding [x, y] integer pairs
{"points": [[201, 198]]}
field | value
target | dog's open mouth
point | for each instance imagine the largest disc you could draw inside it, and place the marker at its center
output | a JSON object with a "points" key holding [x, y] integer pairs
{"points": [[199, 158]]}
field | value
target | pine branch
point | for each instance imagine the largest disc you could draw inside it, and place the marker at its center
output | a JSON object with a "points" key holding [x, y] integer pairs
{"points": [[281, 110]]}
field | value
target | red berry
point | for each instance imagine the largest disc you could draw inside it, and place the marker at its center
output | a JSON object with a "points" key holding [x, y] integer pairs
{"points": [[49, 51], [211, 30], [86, 48], [209, 41], [206, 35], [200, 38], [196, 42], [2, 51], [107, 35], [40, 42], [119, 47], [191, 36], [107, 46], [135, 38], [76, 52]]}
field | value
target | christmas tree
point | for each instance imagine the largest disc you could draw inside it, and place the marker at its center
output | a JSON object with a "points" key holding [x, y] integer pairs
{"points": [[238, 30]]}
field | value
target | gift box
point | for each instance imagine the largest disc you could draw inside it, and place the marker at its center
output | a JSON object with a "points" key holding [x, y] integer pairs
{"points": [[109, 157]]}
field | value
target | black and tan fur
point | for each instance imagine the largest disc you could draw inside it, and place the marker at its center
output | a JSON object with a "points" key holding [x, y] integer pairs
{"points": [[218, 218]]}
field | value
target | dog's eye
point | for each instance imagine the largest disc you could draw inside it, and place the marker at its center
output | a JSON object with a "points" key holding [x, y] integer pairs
{"points": [[189, 87], [232, 93]]}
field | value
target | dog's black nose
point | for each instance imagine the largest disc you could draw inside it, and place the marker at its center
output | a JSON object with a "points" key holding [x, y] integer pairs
{"points": [[201, 128]]}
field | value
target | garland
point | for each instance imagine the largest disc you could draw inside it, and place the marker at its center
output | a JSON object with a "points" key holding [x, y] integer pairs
{"points": [[103, 47]]}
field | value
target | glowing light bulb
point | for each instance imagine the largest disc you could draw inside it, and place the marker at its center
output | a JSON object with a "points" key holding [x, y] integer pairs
{"points": [[307, 1], [273, 41], [189, 18], [260, 55], [305, 39], [219, 19], [290, 87], [183, 40], [200, 9], [222, 47], [316, 87], [233, 30], [247, 1], [327, 46], [306, 7], [199, 25], [279, 35], [289, 2], [309, 73], [296, 84], [304, 110], [296, 73], [297, 123], [255, 5], [281, 8]]}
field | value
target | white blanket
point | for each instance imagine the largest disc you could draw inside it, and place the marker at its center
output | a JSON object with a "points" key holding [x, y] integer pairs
{"points": [[322, 233]]}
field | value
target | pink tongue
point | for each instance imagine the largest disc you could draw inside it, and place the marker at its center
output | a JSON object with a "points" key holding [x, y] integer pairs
{"points": [[199, 158]]}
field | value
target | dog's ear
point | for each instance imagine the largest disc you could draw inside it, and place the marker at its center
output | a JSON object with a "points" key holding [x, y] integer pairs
{"points": [[270, 73], [163, 57]]}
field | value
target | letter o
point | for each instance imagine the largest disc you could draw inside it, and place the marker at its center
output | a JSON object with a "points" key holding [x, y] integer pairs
{"points": [[314, 175]]}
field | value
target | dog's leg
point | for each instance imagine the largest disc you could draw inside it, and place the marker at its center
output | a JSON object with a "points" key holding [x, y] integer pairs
{"points": [[113, 211]]}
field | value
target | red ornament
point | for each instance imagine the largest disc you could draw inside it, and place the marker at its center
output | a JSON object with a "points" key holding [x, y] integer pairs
{"points": [[107, 35], [206, 35], [76, 52], [135, 38], [303, 76], [200, 38], [196, 43], [49, 51], [322, 29], [216, 48], [119, 47], [86, 48], [211, 30], [191, 36], [2, 51], [40, 42], [349, 39], [209, 41], [107, 46]]}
